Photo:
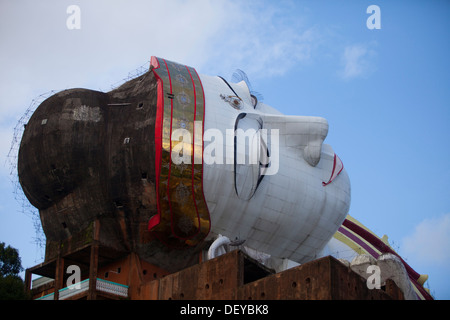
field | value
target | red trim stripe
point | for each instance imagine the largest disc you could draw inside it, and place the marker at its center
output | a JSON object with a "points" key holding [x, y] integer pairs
{"points": [[334, 169], [383, 248], [378, 244], [156, 219], [359, 242]]}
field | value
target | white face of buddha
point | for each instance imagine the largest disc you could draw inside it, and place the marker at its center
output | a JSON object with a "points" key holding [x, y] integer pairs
{"points": [[269, 178], [233, 166]]}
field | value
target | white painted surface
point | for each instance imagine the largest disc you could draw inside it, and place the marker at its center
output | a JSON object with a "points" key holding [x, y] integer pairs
{"points": [[291, 215]]}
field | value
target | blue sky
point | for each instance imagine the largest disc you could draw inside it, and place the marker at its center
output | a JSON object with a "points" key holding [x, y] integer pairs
{"points": [[385, 92]]}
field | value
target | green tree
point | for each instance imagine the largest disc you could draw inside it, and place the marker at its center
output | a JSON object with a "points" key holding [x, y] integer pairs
{"points": [[11, 285]]}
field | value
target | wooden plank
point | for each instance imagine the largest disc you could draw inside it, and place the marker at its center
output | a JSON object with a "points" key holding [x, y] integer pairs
{"points": [[93, 264], [59, 277]]}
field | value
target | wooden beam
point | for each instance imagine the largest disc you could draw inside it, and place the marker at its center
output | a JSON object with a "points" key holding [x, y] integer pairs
{"points": [[28, 275], [59, 276], [93, 264]]}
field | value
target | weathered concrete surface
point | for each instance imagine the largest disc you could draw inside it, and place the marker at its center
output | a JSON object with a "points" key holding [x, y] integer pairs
{"points": [[87, 154]]}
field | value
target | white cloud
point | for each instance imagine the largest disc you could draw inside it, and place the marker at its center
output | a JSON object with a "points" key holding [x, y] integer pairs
{"points": [[357, 61], [39, 53], [258, 40], [430, 241]]}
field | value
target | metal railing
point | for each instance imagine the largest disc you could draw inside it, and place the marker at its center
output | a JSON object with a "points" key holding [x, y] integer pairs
{"points": [[112, 288]]}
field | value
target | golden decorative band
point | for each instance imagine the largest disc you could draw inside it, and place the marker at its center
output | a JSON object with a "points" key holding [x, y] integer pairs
{"points": [[183, 217]]}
